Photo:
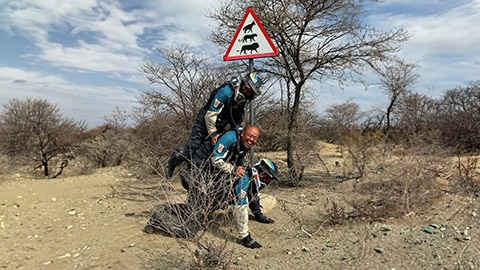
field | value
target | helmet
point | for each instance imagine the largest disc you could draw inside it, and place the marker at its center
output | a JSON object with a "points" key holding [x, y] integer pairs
{"points": [[266, 166], [253, 82]]}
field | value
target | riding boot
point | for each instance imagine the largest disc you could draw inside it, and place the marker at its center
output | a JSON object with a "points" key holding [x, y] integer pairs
{"points": [[175, 159]]}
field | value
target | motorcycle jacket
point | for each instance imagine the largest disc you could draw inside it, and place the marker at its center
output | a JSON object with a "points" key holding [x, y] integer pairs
{"points": [[223, 109]]}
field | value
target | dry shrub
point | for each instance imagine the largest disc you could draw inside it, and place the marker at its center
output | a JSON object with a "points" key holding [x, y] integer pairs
{"points": [[407, 184], [206, 251], [155, 140], [107, 146], [273, 129], [358, 149], [468, 176], [214, 255], [192, 219], [334, 211], [81, 165], [305, 157], [189, 231], [311, 220], [8, 170], [7, 164]]}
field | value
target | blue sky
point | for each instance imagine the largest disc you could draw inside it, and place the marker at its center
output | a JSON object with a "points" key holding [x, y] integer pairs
{"points": [[85, 55]]}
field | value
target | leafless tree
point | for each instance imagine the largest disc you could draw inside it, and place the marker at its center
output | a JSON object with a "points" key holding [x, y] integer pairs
{"points": [[356, 143], [345, 115], [317, 40], [458, 117], [34, 129], [414, 113], [395, 78], [183, 83], [110, 143]]}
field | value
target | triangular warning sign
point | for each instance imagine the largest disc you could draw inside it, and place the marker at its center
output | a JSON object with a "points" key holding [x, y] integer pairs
{"points": [[250, 40]]}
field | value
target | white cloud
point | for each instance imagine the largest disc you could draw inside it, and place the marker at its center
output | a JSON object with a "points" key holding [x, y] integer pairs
{"points": [[182, 22], [89, 57], [73, 39], [98, 37], [444, 39], [82, 102], [107, 37]]}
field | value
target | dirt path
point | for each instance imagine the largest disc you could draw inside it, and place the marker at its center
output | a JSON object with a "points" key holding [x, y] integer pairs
{"points": [[96, 221], [71, 223]]}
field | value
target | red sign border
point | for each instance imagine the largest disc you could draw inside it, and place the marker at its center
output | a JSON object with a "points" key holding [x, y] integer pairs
{"points": [[250, 56]]}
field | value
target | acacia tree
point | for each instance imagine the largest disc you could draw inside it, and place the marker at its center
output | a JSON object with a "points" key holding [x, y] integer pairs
{"points": [[395, 78], [35, 129], [317, 40]]}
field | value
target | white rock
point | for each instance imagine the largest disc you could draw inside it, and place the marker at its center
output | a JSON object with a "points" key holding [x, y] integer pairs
{"points": [[268, 202], [66, 255]]}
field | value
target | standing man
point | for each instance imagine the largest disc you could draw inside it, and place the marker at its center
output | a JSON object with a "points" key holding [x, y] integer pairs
{"points": [[225, 107]]}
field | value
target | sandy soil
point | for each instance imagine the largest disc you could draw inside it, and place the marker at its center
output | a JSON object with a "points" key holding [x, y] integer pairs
{"points": [[96, 222]]}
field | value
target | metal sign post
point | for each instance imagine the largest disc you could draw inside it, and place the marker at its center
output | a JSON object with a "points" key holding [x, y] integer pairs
{"points": [[254, 43], [251, 120]]}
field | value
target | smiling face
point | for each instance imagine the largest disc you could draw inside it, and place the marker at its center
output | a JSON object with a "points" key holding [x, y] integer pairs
{"points": [[249, 136]]}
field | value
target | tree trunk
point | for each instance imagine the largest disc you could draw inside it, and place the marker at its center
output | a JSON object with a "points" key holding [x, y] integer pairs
{"points": [[393, 100], [45, 168], [292, 126]]}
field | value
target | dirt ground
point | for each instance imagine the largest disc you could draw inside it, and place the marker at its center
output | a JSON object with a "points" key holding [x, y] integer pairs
{"points": [[96, 222]]}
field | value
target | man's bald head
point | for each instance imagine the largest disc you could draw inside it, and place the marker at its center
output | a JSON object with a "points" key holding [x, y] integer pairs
{"points": [[249, 136]]}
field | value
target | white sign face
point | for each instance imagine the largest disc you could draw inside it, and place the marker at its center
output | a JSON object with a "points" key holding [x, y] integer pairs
{"points": [[250, 40]]}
